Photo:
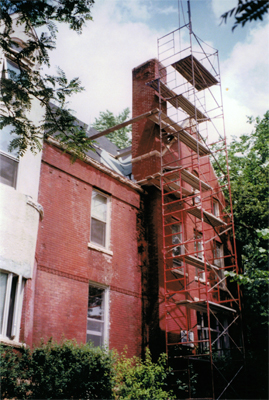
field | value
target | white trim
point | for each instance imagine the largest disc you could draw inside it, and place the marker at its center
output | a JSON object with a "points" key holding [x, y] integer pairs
{"points": [[219, 262], [216, 211], [99, 248], [106, 317], [14, 326], [100, 167], [8, 155], [200, 280], [16, 318], [106, 312], [199, 242], [6, 306], [107, 222], [10, 342], [7, 300]]}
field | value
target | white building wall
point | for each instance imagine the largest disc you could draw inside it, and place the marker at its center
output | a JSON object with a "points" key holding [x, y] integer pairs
{"points": [[19, 225], [19, 210]]}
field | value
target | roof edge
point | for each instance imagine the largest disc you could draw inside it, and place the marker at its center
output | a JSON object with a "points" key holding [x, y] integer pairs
{"points": [[100, 167]]}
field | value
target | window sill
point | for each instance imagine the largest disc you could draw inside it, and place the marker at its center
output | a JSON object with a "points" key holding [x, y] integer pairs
{"points": [[11, 343], [201, 280], [101, 249], [179, 272]]}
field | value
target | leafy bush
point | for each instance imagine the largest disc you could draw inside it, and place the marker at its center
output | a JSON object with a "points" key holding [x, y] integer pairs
{"points": [[72, 371], [59, 371], [137, 379]]}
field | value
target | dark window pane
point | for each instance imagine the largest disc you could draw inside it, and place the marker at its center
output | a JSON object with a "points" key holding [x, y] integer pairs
{"points": [[99, 206], [95, 303], [96, 340], [95, 320], [3, 286], [5, 139], [95, 325], [8, 170], [11, 305], [12, 69], [98, 232]]}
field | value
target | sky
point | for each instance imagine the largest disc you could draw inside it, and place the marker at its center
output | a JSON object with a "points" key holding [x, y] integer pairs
{"points": [[124, 34]]}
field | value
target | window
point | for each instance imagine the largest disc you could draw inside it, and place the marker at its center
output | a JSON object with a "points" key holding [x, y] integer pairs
{"points": [[218, 254], [177, 250], [12, 69], [218, 330], [17, 45], [197, 198], [176, 239], [8, 159], [198, 245], [215, 208], [97, 318], [219, 262], [100, 219], [187, 336], [199, 253], [11, 296]]}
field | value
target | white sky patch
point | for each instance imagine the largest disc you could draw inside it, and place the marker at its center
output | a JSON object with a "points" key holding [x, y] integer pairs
{"points": [[128, 10], [166, 10], [219, 7], [245, 79], [123, 34], [103, 58]]}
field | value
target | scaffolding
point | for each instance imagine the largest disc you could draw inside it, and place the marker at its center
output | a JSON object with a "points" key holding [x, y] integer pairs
{"points": [[202, 311], [203, 324]]}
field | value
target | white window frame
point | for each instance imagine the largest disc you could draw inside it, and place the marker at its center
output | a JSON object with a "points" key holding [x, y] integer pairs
{"points": [[219, 262], [106, 295], [4, 73], [199, 253], [203, 334], [15, 160], [5, 153], [93, 244], [176, 240], [187, 336], [16, 318], [216, 208]]}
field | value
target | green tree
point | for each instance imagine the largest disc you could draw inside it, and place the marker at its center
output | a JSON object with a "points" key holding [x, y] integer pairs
{"points": [[246, 11], [68, 370], [57, 371], [249, 173], [107, 120], [19, 87], [138, 379]]}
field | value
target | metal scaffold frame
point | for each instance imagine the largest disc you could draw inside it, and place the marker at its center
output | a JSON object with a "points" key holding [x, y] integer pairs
{"points": [[203, 312], [203, 324]]}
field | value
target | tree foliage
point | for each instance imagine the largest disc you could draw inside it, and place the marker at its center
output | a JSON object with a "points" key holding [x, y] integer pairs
{"points": [[145, 380], [246, 11], [71, 371], [249, 173], [57, 371], [19, 88], [107, 120]]}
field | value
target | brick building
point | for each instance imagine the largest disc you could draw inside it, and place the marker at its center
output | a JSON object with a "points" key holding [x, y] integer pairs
{"points": [[134, 243], [87, 255]]}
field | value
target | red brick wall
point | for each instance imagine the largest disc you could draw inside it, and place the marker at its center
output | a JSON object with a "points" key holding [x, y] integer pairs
{"points": [[27, 318], [145, 140], [66, 264], [145, 133]]}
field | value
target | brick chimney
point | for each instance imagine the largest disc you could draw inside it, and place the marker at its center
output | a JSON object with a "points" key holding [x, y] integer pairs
{"points": [[145, 134]]}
